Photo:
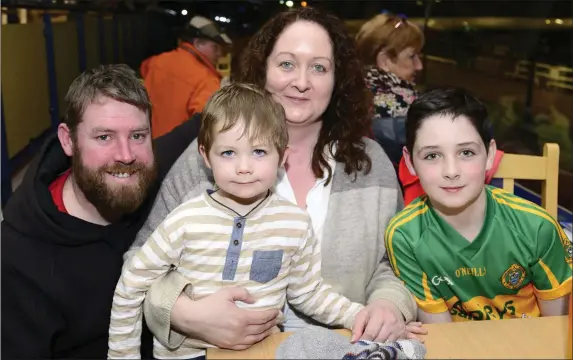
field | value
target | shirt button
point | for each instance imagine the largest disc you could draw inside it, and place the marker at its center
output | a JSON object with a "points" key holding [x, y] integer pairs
{"points": [[239, 225], [236, 242]]}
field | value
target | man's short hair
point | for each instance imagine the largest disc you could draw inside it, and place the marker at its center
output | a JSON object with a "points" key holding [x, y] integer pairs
{"points": [[239, 103], [117, 81]]}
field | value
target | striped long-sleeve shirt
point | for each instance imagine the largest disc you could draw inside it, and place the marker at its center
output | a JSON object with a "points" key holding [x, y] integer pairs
{"points": [[272, 252]]}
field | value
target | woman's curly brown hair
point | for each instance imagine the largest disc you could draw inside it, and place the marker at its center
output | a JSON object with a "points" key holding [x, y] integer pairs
{"points": [[347, 118]]}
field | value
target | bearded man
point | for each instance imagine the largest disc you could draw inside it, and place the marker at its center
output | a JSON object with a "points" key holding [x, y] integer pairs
{"points": [[82, 201]]}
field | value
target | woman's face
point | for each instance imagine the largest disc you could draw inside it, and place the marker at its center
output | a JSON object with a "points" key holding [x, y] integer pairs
{"points": [[406, 65], [300, 72]]}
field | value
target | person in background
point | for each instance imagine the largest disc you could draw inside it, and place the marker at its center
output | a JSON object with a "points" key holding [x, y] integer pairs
{"points": [[307, 61], [78, 209], [389, 48], [180, 82], [469, 251]]}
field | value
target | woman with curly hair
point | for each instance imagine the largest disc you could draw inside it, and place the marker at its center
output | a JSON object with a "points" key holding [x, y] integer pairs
{"points": [[308, 62], [388, 47]]}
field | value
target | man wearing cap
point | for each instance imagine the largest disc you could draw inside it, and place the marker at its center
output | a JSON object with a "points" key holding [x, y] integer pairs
{"points": [[180, 82]]}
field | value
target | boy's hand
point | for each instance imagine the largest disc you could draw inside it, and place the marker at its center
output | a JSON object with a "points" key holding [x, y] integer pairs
{"points": [[380, 321]]}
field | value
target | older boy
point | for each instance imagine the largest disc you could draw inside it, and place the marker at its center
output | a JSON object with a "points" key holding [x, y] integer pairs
{"points": [[468, 251]]}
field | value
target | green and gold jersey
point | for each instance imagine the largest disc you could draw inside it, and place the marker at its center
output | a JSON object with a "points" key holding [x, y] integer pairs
{"points": [[520, 254]]}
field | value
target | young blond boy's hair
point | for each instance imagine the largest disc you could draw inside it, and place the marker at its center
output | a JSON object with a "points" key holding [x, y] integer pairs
{"points": [[245, 104]]}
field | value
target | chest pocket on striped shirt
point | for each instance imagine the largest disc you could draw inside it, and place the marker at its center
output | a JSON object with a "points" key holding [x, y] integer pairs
{"points": [[266, 265]]}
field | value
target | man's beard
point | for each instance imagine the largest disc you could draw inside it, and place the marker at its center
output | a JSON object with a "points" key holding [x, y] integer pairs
{"points": [[113, 202]]}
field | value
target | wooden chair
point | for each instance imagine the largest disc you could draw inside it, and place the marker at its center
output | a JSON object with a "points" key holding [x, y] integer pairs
{"points": [[528, 167]]}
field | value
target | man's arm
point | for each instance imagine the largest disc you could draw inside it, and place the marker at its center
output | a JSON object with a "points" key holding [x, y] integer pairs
{"points": [[30, 319]]}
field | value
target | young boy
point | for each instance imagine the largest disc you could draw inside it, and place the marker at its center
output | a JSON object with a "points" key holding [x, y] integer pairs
{"points": [[468, 251], [241, 234]]}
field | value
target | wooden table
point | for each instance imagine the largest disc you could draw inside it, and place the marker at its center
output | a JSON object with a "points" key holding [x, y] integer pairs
{"points": [[536, 338]]}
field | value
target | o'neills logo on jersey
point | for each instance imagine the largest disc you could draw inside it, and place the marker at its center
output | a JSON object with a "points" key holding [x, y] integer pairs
{"points": [[473, 271], [513, 277]]}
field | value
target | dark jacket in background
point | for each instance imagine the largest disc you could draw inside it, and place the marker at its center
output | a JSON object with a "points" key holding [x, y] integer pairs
{"points": [[391, 100], [160, 31]]}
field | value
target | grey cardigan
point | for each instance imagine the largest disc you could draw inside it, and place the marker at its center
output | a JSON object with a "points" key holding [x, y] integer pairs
{"points": [[354, 257]]}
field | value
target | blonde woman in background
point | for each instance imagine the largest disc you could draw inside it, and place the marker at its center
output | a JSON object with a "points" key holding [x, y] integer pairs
{"points": [[389, 48]]}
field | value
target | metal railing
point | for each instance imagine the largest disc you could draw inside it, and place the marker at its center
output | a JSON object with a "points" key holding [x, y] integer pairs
{"points": [[550, 76]]}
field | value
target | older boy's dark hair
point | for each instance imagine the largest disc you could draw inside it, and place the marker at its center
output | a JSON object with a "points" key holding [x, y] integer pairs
{"points": [[449, 101]]}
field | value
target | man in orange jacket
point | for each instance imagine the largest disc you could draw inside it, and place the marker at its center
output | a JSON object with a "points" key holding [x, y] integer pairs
{"points": [[180, 82]]}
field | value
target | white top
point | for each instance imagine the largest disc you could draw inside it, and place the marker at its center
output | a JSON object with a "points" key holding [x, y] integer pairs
{"points": [[317, 207]]}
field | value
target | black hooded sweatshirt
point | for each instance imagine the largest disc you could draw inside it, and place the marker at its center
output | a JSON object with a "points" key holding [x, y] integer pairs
{"points": [[59, 272]]}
